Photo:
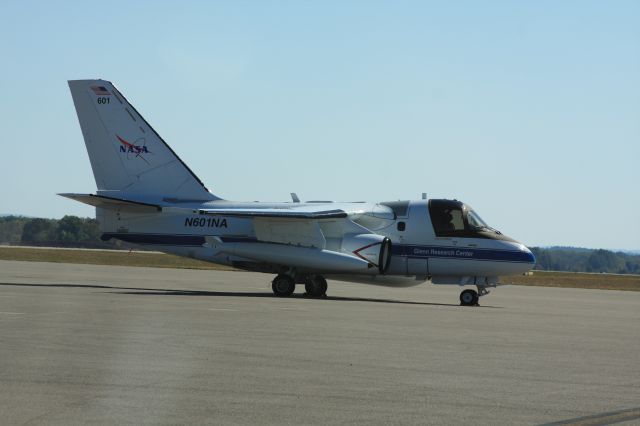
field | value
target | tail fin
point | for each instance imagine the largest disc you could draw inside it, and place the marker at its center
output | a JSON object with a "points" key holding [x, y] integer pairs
{"points": [[126, 154]]}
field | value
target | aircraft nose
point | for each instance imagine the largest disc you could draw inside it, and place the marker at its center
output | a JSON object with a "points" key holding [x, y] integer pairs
{"points": [[522, 260], [529, 255]]}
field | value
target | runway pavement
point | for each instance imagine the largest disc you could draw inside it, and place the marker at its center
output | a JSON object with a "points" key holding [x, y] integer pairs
{"points": [[102, 345]]}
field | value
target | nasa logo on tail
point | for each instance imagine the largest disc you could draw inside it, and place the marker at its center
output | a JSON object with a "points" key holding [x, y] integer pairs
{"points": [[134, 150]]}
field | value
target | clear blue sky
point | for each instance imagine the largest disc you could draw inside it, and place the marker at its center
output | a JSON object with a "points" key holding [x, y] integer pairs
{"points": [[528, 111]]}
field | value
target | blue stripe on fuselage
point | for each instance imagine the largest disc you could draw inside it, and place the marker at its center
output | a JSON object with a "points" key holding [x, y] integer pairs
{"points": [[403, 250], [462, 253], [157, 239]]}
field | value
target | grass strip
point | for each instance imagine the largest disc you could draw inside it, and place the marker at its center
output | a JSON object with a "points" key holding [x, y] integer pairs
{"points": [[105, 257], [577, 280]]}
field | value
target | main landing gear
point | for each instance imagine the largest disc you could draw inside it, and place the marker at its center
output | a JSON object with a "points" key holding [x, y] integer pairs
{"points": [[471, 297], [284, 285], [316, 286]]}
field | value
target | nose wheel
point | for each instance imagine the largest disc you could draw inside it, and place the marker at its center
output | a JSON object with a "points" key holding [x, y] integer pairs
{"points": [[469, 298]]}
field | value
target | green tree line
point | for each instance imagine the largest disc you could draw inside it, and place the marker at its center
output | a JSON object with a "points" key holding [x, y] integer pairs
{"points": [[73, 231], [70, 231], [586, 260]]}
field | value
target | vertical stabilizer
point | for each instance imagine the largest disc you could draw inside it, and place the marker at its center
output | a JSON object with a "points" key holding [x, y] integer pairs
{"points": [[126, 154]]}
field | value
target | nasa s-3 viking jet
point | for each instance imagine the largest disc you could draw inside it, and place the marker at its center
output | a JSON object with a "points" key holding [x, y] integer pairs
{"points": [[146, 195]]}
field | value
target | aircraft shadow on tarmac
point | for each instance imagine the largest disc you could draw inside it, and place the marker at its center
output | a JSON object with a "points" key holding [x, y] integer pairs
{"points": [[202, 293]]}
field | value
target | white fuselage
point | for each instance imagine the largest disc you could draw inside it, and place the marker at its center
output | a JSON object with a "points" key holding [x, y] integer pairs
{"points": [[417, 253]]}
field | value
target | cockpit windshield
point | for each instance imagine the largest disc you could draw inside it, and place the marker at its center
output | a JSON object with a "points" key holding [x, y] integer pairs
{"points": [[475, 221], [451, 218]]}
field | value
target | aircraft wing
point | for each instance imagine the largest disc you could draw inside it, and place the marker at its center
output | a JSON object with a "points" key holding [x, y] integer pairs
{"points": [[282, 213], [306, 226], [113, 203]]}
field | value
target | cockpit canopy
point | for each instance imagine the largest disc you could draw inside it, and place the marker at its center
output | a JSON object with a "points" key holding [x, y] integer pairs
{"points": [[451, 218]]}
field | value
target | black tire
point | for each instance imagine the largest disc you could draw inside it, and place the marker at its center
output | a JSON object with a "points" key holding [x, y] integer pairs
{"points": [[316, 286], [469, 298], [283, 285]]}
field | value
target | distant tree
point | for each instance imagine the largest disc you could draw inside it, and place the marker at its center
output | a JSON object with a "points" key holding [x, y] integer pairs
{"points": [[38, 231], [11, 229], [91, 228], [70, 230], [632, 266], [543, 258], [585, 260], [604, 261]]}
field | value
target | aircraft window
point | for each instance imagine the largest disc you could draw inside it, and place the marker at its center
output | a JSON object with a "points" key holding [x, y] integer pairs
{"points": [[399, 207], [402, 226], [447, 217], [456, 220], [451, 218], [475, 221]]}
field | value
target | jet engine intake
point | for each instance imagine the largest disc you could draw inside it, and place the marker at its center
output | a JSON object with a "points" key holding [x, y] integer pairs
{"points": [[374, 248]]}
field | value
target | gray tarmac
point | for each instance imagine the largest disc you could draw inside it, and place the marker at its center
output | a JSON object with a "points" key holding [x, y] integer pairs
{"points": [[102, 345]]}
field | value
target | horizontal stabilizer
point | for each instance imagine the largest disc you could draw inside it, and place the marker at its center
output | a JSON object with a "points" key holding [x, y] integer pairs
{"points": [[114, 203]]}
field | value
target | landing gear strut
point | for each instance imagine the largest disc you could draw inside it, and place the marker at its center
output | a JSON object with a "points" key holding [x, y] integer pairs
{"points": [[316, 286], [283, 285]]}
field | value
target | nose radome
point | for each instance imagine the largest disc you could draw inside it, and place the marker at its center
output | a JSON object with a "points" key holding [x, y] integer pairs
{"points": [[532, 258], [527, 255], [523, 255]]}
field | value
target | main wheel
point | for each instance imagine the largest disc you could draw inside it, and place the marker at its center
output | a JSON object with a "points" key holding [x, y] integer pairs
{"points": [[283, 285], [316, 286], [469, 298]]}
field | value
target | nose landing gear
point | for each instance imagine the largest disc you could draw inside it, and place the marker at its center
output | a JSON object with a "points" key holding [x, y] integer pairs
{"points": [[471, 297]]}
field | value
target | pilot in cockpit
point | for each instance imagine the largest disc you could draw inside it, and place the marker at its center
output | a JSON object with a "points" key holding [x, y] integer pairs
{"points": [[449, 226], [445, 221]]}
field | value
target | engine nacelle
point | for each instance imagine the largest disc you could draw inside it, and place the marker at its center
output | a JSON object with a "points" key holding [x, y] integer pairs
{"points": [[374, 248]]}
